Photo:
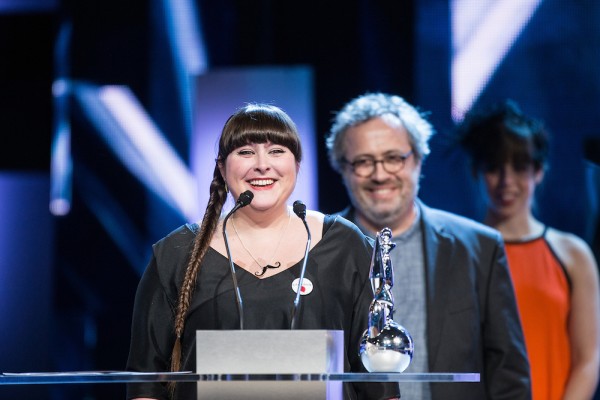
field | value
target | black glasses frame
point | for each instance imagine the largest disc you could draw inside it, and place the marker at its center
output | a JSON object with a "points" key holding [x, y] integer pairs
{"points": [[371, 164]]}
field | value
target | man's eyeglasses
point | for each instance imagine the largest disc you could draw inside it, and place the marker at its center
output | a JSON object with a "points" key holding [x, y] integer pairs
{"points": [[365, 166]]}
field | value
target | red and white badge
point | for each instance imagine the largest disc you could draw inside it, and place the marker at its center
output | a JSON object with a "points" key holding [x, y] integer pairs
{"points": [[307, 286]]}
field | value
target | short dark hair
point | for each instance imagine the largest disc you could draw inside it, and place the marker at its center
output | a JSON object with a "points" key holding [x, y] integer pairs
{"points": [[502, 133]]}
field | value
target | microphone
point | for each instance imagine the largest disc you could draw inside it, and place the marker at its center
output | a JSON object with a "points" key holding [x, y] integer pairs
{"points": [[300, 210], [242, 201]]}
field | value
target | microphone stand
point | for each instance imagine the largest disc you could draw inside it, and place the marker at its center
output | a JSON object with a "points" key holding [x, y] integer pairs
{"points": [[300, 211], [244, 199]]}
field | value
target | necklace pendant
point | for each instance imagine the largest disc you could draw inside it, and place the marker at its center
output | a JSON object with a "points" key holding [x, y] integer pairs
{"points": [[266, 267]]}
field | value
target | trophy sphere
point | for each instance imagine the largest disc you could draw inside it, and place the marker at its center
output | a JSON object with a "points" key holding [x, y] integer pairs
{"points": [[390, 351]]}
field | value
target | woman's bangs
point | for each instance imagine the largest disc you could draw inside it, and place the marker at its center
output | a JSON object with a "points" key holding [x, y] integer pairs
{"points": [[243, 138], [260, 125]]}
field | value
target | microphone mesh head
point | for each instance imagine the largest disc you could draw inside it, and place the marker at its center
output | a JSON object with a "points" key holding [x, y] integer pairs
{"points": [[245, 198], [299, 209]]}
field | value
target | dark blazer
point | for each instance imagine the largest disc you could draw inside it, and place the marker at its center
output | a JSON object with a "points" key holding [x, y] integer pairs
{"points": [[472, 320]]}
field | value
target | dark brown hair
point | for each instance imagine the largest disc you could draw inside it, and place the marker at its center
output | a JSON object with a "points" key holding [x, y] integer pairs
{"points": [[502, 134], [254, 123]]}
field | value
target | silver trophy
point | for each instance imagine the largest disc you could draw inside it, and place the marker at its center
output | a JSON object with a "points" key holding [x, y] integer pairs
{"points": [[386, 346]]}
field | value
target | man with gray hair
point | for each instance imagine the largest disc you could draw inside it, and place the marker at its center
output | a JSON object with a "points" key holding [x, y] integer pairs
{"points": [[452, 288]]}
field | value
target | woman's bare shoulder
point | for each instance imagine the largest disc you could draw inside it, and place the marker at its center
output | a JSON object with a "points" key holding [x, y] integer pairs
{"points": [[572, 250], [315, 220], [315, 216]]}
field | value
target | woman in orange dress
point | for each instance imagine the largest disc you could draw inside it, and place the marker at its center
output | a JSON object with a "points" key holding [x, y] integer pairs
{"points": [[554, 273]]}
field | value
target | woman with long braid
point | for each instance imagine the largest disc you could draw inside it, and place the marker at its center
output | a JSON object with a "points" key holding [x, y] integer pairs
{"points": [[187, 284]]}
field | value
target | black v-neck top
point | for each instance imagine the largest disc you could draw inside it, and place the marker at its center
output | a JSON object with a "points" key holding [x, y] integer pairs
{"points": [[338, 268]]}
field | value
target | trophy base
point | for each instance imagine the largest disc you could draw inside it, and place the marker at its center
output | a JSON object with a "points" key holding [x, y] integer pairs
{"points": [[378, 359]]}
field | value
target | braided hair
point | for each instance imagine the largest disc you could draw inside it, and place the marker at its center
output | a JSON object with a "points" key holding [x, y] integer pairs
{"points": [[254, 123]]}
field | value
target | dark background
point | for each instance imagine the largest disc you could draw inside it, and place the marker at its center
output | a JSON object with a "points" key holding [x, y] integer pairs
{"points": [[354, 46]]}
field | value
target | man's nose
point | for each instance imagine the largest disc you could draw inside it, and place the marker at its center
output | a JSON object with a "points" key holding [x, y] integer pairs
{"points": [[379, 172]]}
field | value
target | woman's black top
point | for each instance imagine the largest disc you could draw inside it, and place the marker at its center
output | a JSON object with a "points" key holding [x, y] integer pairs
{"points": [[338, 267]]}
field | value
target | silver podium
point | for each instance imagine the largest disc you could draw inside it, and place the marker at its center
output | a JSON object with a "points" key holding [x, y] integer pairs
{"points": [[270, 352]]}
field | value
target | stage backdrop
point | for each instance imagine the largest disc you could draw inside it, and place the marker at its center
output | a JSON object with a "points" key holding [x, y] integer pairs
{"points": [[26, 279]]}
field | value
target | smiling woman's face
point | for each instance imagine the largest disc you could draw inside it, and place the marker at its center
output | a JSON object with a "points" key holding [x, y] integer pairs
{"points": [[268, 170], [510, 190]]}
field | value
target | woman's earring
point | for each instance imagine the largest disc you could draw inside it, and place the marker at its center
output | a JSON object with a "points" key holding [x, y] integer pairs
{"points": [[226, 189]]}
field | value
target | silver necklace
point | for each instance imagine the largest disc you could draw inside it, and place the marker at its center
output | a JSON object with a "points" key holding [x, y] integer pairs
{"points": [[263, 269]]}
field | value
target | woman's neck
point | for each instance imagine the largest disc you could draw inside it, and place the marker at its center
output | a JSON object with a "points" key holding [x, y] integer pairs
{"points": [[515, 227]]}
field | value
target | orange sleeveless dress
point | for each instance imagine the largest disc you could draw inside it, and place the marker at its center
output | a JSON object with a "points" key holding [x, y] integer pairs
{"points": [[543, 297]]}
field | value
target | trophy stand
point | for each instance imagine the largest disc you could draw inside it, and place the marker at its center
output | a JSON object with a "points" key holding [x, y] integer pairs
{"points": [[223, 381]]}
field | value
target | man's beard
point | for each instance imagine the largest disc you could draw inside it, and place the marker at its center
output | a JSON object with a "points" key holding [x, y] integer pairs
{"points": [[384, 218], [376, 216]]}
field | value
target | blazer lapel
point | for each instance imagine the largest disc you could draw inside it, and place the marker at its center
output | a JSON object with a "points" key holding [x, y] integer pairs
{"points": [[438, 250]]}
